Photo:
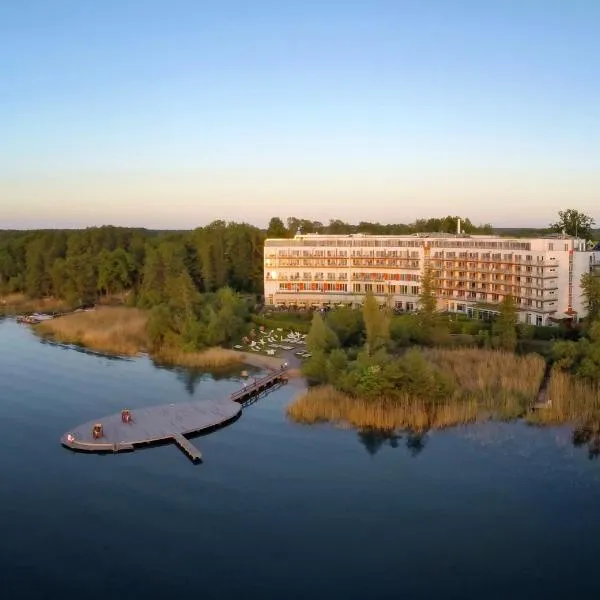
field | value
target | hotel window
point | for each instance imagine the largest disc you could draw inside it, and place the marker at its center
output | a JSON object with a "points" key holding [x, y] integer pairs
{"points": [[414, 290], [356, 287], [380, 288], [392, 289], [410, 306], [368, 287]]}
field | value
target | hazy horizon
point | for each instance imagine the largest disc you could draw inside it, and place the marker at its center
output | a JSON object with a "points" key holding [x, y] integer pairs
{"points": [[173, 114], [261, 224]]}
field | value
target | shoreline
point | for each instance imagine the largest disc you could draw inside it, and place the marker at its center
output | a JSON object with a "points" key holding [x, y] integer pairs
{"points": [[122, 332], [229, 357]]}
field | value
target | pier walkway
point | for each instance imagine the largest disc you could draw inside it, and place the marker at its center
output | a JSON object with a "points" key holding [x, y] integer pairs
{"points": [[123, 432]]}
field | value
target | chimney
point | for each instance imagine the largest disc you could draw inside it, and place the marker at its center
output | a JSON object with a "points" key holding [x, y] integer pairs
{"points": [[458, 226]]}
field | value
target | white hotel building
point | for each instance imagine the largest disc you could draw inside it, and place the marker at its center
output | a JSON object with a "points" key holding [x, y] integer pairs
{"points": [[472, 273]]}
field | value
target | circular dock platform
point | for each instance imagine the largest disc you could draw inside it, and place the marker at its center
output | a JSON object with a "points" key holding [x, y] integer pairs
{"points": [[151, 425]]}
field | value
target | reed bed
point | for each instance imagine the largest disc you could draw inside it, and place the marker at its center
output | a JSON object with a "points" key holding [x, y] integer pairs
{"points": [[122, 330], [326, 404], [212, 358], [117, 330], [492, 376], [489, 384], [14, 304], [571, 400]]}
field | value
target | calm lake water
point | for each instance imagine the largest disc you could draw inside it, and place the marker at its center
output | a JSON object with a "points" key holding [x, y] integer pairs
{"points": [[276, 510]]}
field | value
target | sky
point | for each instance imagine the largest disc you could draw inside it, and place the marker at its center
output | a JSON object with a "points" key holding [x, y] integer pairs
{"points": [[175, 113]]}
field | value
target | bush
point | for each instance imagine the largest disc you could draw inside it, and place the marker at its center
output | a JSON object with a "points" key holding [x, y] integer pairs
{"points": [[286, 325], [546, 333]]}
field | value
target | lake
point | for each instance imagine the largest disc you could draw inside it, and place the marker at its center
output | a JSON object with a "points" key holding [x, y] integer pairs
{"points": [[277, 510]]}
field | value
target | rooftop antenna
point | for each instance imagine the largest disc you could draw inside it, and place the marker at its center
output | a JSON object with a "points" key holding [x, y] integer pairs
{"points": [[458, 226]]}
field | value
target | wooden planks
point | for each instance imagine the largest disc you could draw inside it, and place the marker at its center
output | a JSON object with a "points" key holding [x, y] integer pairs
{"points": [[259, 385], [167, 422], [192, 452], [150, 425]]}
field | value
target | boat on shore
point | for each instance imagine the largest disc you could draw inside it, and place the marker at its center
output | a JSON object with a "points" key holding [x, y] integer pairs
{"points": [[34, 318]]}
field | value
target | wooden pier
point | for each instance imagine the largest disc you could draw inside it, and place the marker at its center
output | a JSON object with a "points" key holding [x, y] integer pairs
{"points": [[129, 429], [256, 387], [192, 452]]}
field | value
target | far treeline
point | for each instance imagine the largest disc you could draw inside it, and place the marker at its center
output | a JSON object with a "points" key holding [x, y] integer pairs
{"points": [[80, 266], [199, 285]]}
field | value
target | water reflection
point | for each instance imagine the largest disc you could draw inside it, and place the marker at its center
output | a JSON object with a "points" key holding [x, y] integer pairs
{"points": [[191, 377], [588, 435], [82, 350], [374, 439]]}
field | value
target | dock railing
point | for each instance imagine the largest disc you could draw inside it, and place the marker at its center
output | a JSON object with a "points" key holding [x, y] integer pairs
{"points": [[259, 384]]}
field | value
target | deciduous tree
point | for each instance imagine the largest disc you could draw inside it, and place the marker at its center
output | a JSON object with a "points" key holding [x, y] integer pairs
{"points": [[320, 338], [573, 222], [505, 325], [377, 324]]}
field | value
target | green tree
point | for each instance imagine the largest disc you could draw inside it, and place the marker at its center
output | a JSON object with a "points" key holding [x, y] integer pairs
{"points": [[348, 326], [505, 325], [590, 285], [232, 314], [277, 229], [115, 269], [320, 337], [377, 324], [183, 302], [427, 316], [573, 222], [315, 367], [337, 365], [36, 277]]}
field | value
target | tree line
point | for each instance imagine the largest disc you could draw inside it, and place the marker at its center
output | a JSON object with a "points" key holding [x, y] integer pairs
{"points": [[570, 221], [80, 266], [293, 225]]}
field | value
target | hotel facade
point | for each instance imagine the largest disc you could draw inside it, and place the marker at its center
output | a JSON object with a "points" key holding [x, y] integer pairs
{"points": [[471, 274]]}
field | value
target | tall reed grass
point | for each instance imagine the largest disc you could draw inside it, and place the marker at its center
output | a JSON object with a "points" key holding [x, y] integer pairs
{"points": [[122, 330], [14, 304], [118, 330], [488, 384], [491, 375], [326, 404], [212, 358], [570, 400]]}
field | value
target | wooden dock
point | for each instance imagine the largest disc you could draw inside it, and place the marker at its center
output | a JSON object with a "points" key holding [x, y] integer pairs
{"points": [[256, 387], [168, 422], [192, 452]]}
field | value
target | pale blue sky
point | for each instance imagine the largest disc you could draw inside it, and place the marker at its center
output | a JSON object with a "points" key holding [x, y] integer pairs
{"points": [[174, 113]]}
